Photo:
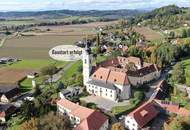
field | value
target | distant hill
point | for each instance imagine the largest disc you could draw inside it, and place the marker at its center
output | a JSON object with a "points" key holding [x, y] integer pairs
{"points": [[112, 14], [163, 11], [166, 17]]}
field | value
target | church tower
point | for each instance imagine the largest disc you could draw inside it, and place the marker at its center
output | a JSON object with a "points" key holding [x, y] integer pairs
{"points": [[87, 64]]}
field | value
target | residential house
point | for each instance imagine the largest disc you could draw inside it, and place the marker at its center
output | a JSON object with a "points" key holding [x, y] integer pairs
{"points": [[9, 94], [5, 111], [82, 118], [140, 117], [70, 92], [161, 91]]}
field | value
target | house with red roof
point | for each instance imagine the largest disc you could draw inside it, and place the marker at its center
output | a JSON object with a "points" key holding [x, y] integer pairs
{"points": [[140, 117], [81, 117], [143, 115]]}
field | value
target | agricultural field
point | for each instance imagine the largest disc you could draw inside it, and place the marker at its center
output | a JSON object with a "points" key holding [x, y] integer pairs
{"points": [[37, 45], [29, 21], [149, 34], [12, 76]]}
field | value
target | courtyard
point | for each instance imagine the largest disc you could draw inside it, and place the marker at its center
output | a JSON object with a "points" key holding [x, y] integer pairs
{"points": [[104, 104]]}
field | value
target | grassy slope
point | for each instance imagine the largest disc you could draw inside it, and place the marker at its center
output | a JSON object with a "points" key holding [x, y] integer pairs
{"points": [[72, 70], [186, 64]]}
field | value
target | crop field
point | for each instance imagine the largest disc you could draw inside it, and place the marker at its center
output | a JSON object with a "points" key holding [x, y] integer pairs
{"points": [[28, 21], [149, 33], [37, 45], [12, 76]]}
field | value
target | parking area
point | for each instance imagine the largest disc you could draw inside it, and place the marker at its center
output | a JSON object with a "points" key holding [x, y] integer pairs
{"points": [[103, 103]]}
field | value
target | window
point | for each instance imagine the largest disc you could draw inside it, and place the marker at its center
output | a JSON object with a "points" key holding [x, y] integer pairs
{"points": [[100, 77], [106, 94], [94, 75], [106, 90], [110, 91], [115, 80], [110, 95], [85, 61]]}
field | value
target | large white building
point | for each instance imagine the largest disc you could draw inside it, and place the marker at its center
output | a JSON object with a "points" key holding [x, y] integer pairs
{"points": [[112, 79], [81, 117]]}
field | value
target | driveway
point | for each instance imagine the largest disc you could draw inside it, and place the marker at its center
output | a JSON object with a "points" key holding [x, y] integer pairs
{"points": [[103, 103]]}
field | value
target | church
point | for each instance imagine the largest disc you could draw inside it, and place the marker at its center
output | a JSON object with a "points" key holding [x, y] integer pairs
{"points": [[113, 79]]}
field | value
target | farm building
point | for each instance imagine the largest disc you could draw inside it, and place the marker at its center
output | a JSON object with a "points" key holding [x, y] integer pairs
{"points": [[5, 111], [9, 92]]}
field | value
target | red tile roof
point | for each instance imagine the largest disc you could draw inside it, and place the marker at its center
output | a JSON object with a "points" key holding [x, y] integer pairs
{"points": [[144, 71], [173, 107], [93, 122], [87, 116], [144, 114], [111, 76]]}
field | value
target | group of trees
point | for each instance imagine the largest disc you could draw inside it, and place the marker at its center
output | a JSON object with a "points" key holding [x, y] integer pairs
{"points": [[50, 121], [165, 53], [49, 71], [165, 17], [178, 76], [179, 123], [186, 33]]}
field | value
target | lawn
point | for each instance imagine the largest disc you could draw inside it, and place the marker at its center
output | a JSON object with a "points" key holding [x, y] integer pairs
{"points": [[134, 103], [35, 64], [186, 64], [26, 85], [73, 69]]}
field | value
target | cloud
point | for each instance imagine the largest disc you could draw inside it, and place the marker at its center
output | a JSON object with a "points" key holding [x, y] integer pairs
{"points": [[9, 5]]}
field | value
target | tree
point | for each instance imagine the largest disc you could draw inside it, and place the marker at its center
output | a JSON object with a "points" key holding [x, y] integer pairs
{"points": [[50, 121], [54, 121], [177, 125], [172, 34], [178, 75], [188, 32], [98, 39], [49, 70], [131, 66], [184, 33], [117, 126], [122, 24], [30, 125], [37, 91], [27, 109]]}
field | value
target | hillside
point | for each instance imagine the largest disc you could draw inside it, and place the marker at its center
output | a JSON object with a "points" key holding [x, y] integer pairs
{"points": [[112, 14], [166, 17]]}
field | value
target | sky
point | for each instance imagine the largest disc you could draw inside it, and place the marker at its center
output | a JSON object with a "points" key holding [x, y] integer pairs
{"points": [[34, 5]]}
